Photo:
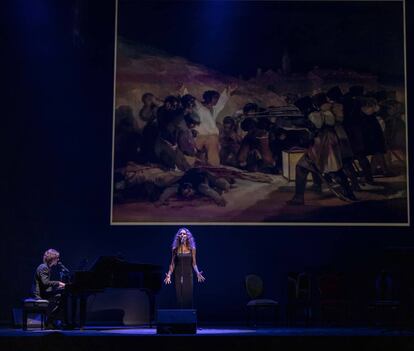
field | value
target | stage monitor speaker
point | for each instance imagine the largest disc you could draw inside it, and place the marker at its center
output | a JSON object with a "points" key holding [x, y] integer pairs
{"points": [[176, 321]]}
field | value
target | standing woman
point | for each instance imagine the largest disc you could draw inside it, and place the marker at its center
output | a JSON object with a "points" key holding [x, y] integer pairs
{"points": [[183, 262]]}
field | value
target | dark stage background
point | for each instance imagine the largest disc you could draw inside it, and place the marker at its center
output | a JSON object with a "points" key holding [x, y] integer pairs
{"points": [[57, 173]]}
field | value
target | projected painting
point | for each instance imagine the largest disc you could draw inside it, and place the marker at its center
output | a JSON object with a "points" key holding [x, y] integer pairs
{"points": [[278, 113]]}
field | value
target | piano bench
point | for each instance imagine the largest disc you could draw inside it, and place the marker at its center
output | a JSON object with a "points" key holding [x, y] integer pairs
{"points": [[32, 305]]}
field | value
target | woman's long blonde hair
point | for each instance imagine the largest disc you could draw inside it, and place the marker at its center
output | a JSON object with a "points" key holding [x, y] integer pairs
{"points": [[190, 240]]}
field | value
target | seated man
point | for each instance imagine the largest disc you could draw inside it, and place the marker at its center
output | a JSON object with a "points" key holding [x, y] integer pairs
{"points": [[148, 112], [127, 137], [255, 154], [166, 149], [229, 142], [44, 288], [187, 133]]}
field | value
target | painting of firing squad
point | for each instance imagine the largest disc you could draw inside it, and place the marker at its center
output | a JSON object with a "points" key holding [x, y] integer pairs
{"points": [[274, 113]]}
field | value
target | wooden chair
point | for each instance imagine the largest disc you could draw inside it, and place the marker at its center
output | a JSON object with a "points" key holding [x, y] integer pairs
{"points": [[254, 288], [299, 298], [385, 308], [333, 302]]}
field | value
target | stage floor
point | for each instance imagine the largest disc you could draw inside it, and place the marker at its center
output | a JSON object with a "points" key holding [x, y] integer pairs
{"points": [[209, 338], [210, 331]]}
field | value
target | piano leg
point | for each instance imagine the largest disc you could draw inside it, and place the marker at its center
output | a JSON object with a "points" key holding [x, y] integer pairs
{"points": [[74, 308], [65, 307], [151, 301]]}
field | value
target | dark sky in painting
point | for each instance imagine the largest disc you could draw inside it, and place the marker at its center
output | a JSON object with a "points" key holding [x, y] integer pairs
{"points": [[236, 37]]}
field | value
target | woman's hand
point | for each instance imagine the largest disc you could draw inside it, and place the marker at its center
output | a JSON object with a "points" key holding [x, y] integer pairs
{"points": [[167, 279], [200, 277]]}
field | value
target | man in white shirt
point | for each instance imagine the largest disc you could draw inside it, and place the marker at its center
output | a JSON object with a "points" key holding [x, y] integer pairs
{"points": [[208, 133]]}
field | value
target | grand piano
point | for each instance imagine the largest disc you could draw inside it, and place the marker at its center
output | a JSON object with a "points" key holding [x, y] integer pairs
{"points": [[111, 272]]}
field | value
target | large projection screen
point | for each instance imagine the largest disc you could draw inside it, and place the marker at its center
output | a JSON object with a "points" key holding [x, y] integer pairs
{"points": [[260, 112]]}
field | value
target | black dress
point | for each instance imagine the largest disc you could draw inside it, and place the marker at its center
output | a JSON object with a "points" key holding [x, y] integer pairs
{"points": [[183, 276]]}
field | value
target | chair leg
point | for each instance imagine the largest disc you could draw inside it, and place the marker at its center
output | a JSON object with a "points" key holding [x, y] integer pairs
{"points": [[24, 319], [42, 317], [276, 315], [307, 315], [249, 319], [255, 308]]}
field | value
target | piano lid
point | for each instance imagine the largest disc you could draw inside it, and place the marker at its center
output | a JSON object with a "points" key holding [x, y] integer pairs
{"points": [[111, 263]]}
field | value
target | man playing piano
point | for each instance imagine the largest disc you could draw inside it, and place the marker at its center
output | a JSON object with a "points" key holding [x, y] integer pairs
{"points": [[51, 290]]}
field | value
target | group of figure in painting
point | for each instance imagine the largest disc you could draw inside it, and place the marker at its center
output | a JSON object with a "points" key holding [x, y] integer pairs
{"points": [[346, 138]]}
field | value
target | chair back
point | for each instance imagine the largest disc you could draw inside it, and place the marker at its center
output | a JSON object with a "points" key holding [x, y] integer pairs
{"points": [[331, 286], [292, 285], [254, 286], [384, 286], [303, 287]]}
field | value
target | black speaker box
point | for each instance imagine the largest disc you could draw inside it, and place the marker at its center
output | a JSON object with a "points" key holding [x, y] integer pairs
{"points": [[176, 321]]}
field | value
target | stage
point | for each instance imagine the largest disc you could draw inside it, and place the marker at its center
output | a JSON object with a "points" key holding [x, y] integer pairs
{"points": [[222, 338]]}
